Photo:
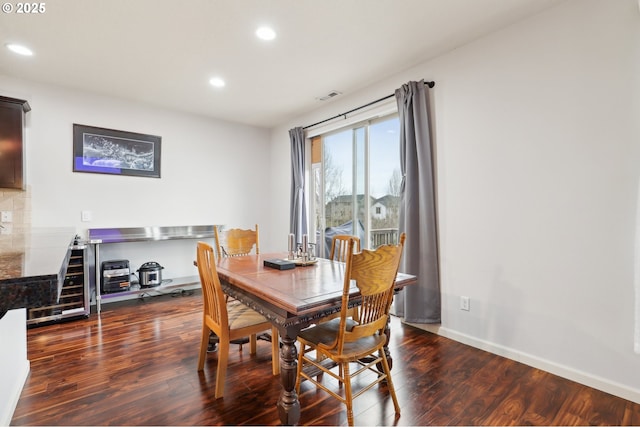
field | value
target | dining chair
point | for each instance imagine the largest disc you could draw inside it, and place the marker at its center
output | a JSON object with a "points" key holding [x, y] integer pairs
{"points": [[227, 321], [343, 341], [339, 244], [236, 241]]}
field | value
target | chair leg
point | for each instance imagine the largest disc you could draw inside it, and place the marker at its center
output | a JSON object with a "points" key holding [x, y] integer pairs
{"points": [[348, 396], [320, 375], [253, 347], [221, 374], [204, 344], [275, 351], [392, 390], [300, 363]]}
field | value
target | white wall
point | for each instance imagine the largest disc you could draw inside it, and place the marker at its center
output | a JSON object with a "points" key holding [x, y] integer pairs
{"points": [[202, 180], [537, 155]]}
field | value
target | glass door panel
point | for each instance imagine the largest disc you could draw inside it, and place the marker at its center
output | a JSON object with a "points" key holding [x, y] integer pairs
{"points": [[384, 181], [337, 157], [360, 189]]}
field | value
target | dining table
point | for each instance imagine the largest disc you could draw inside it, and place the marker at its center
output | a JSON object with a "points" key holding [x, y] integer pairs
{"points": [[292, 299]]}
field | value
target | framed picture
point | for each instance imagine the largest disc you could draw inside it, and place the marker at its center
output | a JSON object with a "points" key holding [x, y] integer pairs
{"points": [[115, 152]]}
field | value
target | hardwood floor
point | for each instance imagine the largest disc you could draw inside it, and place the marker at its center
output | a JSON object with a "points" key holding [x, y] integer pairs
{"points": [[136, 365]]}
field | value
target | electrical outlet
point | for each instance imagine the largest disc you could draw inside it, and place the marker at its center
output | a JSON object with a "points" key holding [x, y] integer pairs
{"points": [[465, 303], [6, 216]]}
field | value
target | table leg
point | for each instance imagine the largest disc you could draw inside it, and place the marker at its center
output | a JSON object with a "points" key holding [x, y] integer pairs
{"points": [[387, 332], [288, 404]]}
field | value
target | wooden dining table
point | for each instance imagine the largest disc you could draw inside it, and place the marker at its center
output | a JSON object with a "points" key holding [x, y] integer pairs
{"points": [[292, 300]]}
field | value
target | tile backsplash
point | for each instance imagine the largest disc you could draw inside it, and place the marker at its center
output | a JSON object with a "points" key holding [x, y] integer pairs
{"points": [[12, 234]]}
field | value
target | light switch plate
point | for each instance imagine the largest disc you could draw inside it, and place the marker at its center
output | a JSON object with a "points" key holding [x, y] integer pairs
{"points": [[86, 216], [6, 216]]}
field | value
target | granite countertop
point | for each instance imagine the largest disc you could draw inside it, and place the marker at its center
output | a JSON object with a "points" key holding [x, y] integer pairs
{"points": [[30, 273], [42, 253], [11, 265]]}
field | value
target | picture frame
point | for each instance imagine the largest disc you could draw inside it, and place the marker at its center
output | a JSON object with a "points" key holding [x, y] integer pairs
{"points": [[115, 152]]}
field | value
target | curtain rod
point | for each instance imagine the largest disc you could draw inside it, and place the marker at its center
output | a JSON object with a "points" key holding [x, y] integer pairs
{"points": [[430, 84]]}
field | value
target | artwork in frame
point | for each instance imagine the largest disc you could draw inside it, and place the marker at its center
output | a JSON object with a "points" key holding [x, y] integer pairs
{"points": [[115, 152]]}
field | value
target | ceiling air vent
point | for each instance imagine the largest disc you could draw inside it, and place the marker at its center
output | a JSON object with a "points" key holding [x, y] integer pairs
{"points": [[330, 95]]}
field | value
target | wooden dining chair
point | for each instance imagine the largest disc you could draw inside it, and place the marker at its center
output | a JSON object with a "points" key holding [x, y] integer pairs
{"points": [[339, 244], [236, 241], [343, 340], [227, 321]]}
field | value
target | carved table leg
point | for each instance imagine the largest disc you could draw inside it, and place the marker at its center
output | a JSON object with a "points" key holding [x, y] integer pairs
{"points": [[387, 332], [288, 404]]}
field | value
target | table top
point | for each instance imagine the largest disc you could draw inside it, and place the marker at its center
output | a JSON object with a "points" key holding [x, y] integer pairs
{"points": [[298, 291]]}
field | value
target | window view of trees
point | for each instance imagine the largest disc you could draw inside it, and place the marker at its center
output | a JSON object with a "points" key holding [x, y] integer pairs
{"points": [[361, 182]]}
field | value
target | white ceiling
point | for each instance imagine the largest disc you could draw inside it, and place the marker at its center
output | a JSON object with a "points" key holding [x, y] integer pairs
{"points": [[163, 52]]}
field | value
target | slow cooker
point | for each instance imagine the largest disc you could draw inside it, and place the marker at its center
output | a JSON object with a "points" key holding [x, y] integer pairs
{"points": [[150, 274]]}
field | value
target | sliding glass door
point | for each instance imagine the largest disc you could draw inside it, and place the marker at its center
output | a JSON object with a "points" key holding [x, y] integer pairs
{"points": [[356, 184]]}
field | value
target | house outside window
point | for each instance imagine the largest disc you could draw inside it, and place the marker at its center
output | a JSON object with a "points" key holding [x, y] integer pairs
{"points": [[356, 183]]}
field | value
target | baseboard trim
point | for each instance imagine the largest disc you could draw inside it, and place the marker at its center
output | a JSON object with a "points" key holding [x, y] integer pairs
{"points": [[6, 412], [563, 371]]}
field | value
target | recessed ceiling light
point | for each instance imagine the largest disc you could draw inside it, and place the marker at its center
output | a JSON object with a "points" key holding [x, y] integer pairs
{"points": [[217, 82], [19, 49], [265, 33]]}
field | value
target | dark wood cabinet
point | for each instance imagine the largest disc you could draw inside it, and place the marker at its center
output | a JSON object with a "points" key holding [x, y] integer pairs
{"points": [[12, 123]]}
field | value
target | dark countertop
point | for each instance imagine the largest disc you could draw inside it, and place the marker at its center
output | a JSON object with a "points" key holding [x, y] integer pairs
{"points": [[30, 275]]}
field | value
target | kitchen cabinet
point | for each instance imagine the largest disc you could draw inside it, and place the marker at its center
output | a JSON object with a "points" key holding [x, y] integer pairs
{"points": [[12, 129]]}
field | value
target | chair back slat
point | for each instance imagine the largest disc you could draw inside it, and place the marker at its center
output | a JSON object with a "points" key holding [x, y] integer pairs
{"points": [[214, 298], [236, 241], [340, 246]]}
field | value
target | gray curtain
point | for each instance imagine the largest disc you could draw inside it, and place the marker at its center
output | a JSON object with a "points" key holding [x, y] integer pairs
{"points": [[298, 213], [418, 303]]}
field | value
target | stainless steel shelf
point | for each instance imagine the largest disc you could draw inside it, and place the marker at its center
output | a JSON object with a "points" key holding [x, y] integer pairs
{"points": [[172, 284], [100, 236], [142, 234]]}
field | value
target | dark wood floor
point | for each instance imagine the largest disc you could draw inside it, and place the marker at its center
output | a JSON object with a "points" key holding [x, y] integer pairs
{"points": [[136, 365]]}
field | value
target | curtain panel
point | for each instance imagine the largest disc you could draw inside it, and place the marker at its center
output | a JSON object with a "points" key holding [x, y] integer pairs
{"points": [[298, 210], [419, 303]]}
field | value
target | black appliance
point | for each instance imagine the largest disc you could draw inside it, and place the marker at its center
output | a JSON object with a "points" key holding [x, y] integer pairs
{"points": [[115, 276]]}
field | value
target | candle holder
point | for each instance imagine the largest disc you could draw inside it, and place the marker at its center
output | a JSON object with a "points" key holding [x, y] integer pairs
{"points": [[302, 254]]}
